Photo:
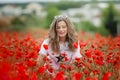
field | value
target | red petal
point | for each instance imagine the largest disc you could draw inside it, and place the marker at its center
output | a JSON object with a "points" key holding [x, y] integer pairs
{"points": [[45, 46], [75, 44]]}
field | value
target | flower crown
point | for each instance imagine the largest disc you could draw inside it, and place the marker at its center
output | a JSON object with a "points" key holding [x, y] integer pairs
{"points": [[61, 16]]}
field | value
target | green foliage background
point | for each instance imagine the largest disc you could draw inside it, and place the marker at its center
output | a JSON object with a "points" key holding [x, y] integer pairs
{"points": [[32, 21]]}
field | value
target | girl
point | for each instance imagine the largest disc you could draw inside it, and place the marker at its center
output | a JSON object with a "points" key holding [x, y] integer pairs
{"points": [[61, 45]]}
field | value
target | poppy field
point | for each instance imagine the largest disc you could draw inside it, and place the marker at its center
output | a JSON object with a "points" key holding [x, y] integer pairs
{"points": [[19, 58]]}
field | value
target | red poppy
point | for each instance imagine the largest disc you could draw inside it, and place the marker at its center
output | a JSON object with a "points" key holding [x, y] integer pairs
{"points": [[87, 78], [41, 69], [106, 76], [63, 54], [86, 71], [88, 53], [50, 70], [69, 68], [118, 43], [34, 76], [99, 62], [31, 63], [77, 76], [95, 78], [63, 66], [59, 76], [82, 44], [75, 44], [45, 58], [77, 59], [98, 53], [45, 46], [66, 59]]}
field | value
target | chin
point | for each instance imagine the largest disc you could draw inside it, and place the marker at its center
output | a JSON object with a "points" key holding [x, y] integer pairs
{"points": [[62, 35]]}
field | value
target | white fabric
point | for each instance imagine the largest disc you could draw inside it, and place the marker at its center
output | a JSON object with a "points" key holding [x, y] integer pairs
{"points": [[63, 48]]}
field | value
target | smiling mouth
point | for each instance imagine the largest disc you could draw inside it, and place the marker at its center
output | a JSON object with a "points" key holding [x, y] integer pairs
{"points": [[61, 32]]}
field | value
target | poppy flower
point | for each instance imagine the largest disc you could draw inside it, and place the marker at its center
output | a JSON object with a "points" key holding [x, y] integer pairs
{"points": [[45, 46], [83, 44], [69, 68], [95, 78], [99, 62], [88, 53], [86, 71], [41, 69], [63, 54], [51, 70], [77, 59], [75, 44], [31, 63], [59, 76], [34, 76], [87, 78], [106, 76], [66, 59], [63, 66], [76, 76]]}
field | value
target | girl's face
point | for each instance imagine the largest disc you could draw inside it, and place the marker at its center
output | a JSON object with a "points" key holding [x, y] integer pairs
{"points": [[61, 29]]}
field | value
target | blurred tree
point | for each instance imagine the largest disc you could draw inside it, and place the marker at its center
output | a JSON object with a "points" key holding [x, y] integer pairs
{"points": [[88, 26], [18, 24], [52, 11], [108, 19], [17, 21], [64, 4]]}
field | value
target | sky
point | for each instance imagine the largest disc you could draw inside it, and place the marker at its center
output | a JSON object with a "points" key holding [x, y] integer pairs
{"points": [[22, 1]]}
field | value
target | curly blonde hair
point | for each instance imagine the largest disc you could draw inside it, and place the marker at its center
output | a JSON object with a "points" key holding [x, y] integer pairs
{"points": [[71, 36]]}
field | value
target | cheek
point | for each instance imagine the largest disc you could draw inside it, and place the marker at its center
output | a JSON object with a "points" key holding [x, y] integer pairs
{"points": [[66, 30], [57, 31]]}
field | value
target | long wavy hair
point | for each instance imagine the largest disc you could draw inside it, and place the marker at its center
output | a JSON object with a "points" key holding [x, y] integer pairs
{"points": [[71, 36]]}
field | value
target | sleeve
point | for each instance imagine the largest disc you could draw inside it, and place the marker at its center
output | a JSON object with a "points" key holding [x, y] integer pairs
{"points": [[42, 49], [77, 54]]}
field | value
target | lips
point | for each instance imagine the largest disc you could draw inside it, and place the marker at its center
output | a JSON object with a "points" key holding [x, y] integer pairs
{"points": [[61, 32]]}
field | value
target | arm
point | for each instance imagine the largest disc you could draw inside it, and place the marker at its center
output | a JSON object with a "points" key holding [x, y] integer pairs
{"points": [[77, 53], [42, 53], [76, 57]]}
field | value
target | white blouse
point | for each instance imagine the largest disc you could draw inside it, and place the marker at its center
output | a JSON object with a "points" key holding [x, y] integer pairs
{"points": [[63, 49]]}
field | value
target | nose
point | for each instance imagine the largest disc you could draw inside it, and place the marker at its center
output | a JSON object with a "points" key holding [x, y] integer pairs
{"points": [[61, 29]]}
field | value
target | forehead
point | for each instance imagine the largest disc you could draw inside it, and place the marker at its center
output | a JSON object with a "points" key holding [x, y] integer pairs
{"points": [[61, 23]]}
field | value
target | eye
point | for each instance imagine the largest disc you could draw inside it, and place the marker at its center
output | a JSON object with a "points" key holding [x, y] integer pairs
{"points": [[58, 27], [64, 26]]}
